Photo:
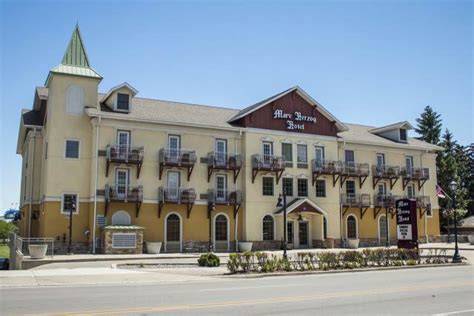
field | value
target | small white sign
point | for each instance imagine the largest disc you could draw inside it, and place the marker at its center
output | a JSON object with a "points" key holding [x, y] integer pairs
{"points": [[404, 232]]}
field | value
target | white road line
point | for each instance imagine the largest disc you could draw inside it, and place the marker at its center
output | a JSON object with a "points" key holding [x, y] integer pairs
{"points": [[455, 312]]}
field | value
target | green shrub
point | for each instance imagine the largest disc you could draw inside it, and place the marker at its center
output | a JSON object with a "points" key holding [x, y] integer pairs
{"points": [[209, 260], [411, 262], [398, 263], [233, 263]]}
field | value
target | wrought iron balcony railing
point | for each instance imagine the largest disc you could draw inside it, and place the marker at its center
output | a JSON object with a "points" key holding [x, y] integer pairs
{"points": [[225, 161], [176, 157], [124, 193], [224, 196], [415, 173], [384, 171], [176, 195], [326, 166], [385, 200], [355, 200], [125, 154], [355, 169], [268, 162]]}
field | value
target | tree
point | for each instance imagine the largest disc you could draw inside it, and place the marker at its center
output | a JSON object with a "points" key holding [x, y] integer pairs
{"points": [[429, 126], [5, 229]]}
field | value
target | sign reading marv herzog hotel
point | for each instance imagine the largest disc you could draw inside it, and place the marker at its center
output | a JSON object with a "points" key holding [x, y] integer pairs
{"points": [[295, 120]]}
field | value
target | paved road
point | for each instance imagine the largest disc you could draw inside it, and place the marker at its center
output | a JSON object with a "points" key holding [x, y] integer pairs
{"points": [[402, 292]]}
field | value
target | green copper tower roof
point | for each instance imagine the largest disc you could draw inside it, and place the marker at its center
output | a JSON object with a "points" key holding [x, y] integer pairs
{"points": [[75, 61], [75, 54]]}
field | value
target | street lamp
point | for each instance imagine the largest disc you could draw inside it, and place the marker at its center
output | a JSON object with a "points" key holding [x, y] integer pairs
{"points": [[210, 208], [282, 198], [456, 258]]}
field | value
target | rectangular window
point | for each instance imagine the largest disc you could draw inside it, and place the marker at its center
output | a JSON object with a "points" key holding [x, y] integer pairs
{"points": [[349, 156], [267, 186], [320, 188], [70, 203], [350, 188], [267, 151], [403, 135], [302, 153], [72, 149], [287, 152], [288, 186], [123, 102], [302, 187], [319, 155]]}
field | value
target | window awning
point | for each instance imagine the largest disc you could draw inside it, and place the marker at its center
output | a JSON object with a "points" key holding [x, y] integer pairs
{"points": [[302, 205]]}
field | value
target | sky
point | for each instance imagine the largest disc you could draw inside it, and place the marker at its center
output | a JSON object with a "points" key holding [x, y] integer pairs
{"points": [[368, 62]]}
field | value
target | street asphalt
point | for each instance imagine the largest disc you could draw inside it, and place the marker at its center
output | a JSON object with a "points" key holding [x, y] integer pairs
{"points": [[423, 291]]}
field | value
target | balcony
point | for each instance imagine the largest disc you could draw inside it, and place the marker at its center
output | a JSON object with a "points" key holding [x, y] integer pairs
{"points": [[380, 172], [123, 194], [351, 169], [176, 195], [269, 163], [326, 167], [179, 158], [420, 175], [224, 197], [423, 203], [124, 154], [386, 201], [361, 201], [223, 161]]}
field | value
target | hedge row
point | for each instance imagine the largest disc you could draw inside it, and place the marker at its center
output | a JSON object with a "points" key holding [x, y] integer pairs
{"points": [[303, 261]]}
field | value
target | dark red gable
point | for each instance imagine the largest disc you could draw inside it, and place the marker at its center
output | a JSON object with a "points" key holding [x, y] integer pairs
{"points": [[289, 104]]}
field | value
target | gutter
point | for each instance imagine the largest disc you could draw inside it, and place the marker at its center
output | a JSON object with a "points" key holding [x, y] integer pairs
{"points": [[30, 209]]}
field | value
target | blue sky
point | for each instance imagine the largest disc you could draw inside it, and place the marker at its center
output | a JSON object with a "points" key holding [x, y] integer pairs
{"points": [[368, 62]]}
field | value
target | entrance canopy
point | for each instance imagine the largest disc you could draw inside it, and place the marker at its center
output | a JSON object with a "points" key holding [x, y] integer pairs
{"points": [[302, 205]]}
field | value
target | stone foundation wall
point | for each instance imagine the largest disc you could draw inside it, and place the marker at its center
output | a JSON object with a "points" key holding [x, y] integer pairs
{"points": [[61, 248], [266, 245]]}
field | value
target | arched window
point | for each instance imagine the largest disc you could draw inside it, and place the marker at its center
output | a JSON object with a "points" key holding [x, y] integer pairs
{"points": [[383, 228], [221, 228], [351, 227], [325, 227], [268, 228], [121, 218], [75, 100]]}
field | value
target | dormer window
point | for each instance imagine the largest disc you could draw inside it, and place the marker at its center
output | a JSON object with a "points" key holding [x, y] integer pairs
{"points": [[123, 102], [403, 135]]}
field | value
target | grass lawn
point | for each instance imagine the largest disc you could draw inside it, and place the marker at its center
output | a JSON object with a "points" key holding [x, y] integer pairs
{"points": [[4, 251]]}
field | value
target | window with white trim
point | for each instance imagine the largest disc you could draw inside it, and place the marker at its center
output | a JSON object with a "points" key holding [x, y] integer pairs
{"points": [[267, 186], [70, 203], [123, 102], [320, 188], [410, 191], [302, 187], [302, 153], [287, 152], [75, 100], [287, 186], [72, 149]]}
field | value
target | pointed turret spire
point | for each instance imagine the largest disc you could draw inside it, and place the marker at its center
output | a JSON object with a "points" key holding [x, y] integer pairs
{"points": [[75, 61], [75, 54]]}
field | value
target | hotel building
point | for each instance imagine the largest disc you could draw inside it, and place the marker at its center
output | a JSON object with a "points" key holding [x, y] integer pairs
{"points": [[115, 159]]}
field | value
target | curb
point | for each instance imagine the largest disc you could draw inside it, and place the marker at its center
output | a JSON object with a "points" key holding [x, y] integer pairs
{"points": [[257, 275]]}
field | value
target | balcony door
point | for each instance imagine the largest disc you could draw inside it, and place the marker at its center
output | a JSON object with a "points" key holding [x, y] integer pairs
{"points": [[221, 187], [409, 165], [267, 150], [174, 146], [173, 182], [121, 182], [319, 155], [221, 152], [123, 143]]}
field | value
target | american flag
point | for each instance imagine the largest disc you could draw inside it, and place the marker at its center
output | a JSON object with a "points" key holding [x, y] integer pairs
{"points": [[440, 192]]}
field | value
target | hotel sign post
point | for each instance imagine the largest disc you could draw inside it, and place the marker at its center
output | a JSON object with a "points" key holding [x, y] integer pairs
{"points": [[407, 229]]}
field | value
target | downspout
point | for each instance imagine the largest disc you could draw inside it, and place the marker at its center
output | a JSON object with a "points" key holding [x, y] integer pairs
{"points": [[426, 215], [341, 224], [236, 237], [96, 153], [30, 208]]}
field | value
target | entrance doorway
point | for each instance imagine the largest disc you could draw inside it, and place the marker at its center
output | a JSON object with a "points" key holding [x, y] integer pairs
{"points": [[303, 234], [221, 233], [173, 233]]}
